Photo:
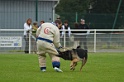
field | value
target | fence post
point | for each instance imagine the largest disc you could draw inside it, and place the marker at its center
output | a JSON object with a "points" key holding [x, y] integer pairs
{"points": [[29, 42], [76, 17], [95, 40], [64, 39], [36, 10]]}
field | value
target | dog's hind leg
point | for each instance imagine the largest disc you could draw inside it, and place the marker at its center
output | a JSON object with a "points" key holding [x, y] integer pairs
{"points": [[83, 63]]}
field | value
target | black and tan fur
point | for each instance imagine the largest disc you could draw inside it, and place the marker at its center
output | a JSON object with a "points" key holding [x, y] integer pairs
{"points": [[74, 55]]}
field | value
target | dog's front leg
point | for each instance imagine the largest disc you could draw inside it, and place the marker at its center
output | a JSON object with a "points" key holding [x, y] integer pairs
{"points": [[73, 64]]}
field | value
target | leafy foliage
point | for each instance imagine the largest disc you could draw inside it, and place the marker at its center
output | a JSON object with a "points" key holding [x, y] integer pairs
{"points": [[98, 13], [72, 6], [97, 6], [107, 6]]}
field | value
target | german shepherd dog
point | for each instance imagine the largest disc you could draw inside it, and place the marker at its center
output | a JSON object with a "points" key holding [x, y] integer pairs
{"points": [[74, 55]]}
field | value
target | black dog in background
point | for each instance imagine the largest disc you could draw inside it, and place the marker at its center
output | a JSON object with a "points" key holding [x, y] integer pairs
{"points": [[74, 55]]}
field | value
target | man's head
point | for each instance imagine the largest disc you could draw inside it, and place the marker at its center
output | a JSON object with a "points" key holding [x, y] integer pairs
{"points": [[66, 23], [76, 25], [35, 23], [82, 21], [58, 23], [41, 22]]}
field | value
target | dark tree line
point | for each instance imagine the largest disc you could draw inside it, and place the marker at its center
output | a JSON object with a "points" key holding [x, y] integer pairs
{"points": [[99, 13], [96, 6]]}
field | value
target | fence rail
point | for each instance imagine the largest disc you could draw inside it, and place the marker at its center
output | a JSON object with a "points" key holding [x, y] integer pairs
{"points": [[99, 40]]}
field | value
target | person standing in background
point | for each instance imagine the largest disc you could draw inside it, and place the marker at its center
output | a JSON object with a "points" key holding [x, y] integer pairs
{"points": [[34, 27], [83, 37], [41, 22], [33, 38], [40, 26], [27, 30], [67, 33], [76, 36]]}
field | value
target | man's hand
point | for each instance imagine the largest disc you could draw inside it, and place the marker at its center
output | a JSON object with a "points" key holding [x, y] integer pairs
{"points": [[60, 47], [28, 31]]}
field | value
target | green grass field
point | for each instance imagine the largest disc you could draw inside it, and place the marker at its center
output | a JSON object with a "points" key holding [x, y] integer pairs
{"points": [[101, 67]]}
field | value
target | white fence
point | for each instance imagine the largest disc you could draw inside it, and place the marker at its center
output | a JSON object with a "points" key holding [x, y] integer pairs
{"points": [[99, 40]]}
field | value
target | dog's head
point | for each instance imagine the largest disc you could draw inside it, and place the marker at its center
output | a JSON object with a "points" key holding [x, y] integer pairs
{"points": [[66, 55]]}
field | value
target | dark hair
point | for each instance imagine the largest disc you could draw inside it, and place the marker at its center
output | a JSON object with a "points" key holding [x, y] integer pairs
{"points": [[29, 19], [58, 18], [82, 19], [58, 21], [66, 21], [42, 21], [35, 23], [76, 25]]}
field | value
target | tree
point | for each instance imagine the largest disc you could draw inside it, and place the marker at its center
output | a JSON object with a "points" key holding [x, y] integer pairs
{"points": [[99, 13], [72, 6], [106, 6], [68, 8], [98, 6]]}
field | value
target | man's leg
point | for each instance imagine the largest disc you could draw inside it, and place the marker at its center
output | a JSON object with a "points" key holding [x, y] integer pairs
{"points": [[76, 43], [80, 41], [42, 62], [41, 55], [51, 50], [85, 42], [56, 63], [55, 60], [26, 44]]}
